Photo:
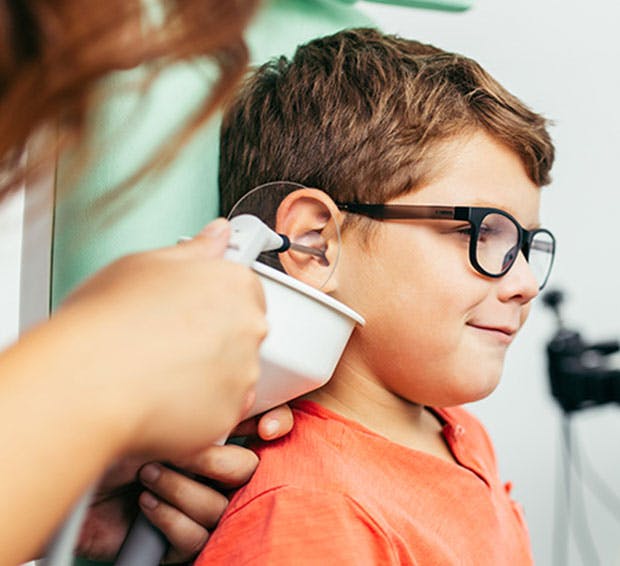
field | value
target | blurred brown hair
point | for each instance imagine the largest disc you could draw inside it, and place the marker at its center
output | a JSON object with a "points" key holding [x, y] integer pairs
{"points": [[53, 53], [360, 115]]}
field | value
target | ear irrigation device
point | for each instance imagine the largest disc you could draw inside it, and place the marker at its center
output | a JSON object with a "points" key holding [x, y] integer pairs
{"points": [[308, 331], [286, 364], [250, 237]]}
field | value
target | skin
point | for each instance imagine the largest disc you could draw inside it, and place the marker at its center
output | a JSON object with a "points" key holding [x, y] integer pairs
{"points": [[118, 371], [436, 330], [184, 508], [380, 383]]}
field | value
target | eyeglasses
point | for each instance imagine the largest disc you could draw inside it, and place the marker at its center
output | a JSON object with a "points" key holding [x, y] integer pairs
{"points": [[495, 237]]}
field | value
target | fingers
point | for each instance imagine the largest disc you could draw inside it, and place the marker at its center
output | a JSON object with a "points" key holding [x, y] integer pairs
{"points": [[186, 536], [212, 239], [230, 466], [212, 242], [119, 475], [272, 424], [198, 502], [183, 509], [275, 423]]}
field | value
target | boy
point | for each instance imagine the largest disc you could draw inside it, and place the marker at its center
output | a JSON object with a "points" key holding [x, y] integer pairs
{"points": [[436, 171]]}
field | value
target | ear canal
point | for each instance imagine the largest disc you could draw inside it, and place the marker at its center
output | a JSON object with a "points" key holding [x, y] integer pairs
{"points": [[304, 216], [312, 243]]}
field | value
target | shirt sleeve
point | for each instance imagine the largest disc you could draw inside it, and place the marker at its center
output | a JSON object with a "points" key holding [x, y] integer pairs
{"points": [[294, 526]]}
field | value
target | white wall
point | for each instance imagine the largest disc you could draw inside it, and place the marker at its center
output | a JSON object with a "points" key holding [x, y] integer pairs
{"points": [[561, 57], [11, 215], [26, 218]]}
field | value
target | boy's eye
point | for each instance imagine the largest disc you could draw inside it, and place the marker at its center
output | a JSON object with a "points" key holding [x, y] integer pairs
{"points": [[464, 231], [485, 232]]}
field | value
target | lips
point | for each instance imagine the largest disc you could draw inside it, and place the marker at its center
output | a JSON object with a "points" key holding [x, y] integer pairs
{"points": [[504, 333], [508, 330]]}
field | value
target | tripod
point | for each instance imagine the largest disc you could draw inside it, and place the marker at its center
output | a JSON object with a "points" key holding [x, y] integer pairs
{"points": [[580, 377]]}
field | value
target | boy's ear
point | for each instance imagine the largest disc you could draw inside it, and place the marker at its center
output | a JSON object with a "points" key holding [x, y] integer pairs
{"points": [[311, 218]]}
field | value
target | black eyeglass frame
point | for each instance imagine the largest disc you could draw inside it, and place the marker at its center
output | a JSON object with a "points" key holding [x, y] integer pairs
{"points": [[474, 215]]}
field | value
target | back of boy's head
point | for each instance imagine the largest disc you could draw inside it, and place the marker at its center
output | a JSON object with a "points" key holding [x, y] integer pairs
{"points": [[360, 114]]}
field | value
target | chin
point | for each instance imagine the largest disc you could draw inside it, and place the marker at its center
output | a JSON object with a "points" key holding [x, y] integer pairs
{"points": [[461, 395], [482, 393], [484, 387], [476, 388]]}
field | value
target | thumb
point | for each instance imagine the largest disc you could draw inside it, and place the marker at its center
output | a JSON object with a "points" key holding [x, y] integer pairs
{"points": [[213, 238]]}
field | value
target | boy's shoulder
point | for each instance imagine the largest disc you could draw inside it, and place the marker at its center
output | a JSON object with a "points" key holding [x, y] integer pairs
{"points": [[305, 489], [327, 453], [318, 447], [333, 488]]}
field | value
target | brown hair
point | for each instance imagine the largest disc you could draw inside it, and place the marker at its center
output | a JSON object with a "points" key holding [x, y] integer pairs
{"points": [[359, 114], [53, 53]]}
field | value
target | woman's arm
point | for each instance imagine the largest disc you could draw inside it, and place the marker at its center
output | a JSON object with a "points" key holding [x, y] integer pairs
{"points": [[154, 356], [54, 441]]}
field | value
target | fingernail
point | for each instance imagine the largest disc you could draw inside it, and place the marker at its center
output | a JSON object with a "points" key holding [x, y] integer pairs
{"points": [[271, 428], [216, 228], [150, 473], [148, 500]]}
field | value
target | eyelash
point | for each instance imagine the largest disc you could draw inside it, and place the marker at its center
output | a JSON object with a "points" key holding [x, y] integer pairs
{"points": [[463, 231]]}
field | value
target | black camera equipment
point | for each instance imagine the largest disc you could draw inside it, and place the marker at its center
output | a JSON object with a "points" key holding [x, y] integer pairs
{"points": [[578, 371]]}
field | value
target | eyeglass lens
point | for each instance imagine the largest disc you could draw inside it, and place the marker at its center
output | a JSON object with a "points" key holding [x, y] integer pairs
{"points": [[497, 247], [541, 256]]}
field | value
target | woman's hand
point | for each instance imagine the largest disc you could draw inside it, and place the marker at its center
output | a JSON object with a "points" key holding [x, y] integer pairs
{"points": [[183, 507], [155, 356], [171, 339]]}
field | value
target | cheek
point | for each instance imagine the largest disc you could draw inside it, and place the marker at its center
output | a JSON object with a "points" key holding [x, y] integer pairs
{"points": [[427, 353], [413, 288], [416, 298]]}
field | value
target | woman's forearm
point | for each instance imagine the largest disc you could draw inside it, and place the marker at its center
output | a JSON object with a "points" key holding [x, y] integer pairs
{"points": [[55, 443], [156, 355]]}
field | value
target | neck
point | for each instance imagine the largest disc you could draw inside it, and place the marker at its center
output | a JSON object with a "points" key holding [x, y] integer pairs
{"points": [[356, 395]]}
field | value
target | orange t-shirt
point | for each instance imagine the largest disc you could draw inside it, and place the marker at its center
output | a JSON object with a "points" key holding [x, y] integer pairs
{"points": [[333, 492]]}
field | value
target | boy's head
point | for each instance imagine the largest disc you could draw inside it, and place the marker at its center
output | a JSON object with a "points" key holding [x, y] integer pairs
{"points": [[362, 115], [370, 118]]}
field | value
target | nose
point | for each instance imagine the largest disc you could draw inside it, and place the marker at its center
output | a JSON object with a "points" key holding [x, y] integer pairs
{"points": [[519, 283]]}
